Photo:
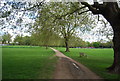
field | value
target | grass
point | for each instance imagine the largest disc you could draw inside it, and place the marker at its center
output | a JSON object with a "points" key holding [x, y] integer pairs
{"points": [[23, 62], [98, 60]]}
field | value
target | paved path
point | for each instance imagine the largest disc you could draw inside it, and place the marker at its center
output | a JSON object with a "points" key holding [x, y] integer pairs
{"points": [[68, 68]]}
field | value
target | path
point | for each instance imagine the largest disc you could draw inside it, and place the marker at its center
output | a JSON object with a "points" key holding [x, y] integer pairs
{"points": [[68, 68]]}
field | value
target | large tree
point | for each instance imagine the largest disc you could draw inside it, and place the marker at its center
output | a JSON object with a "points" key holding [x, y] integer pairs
{"points": [[111, 13], [57, 19]]}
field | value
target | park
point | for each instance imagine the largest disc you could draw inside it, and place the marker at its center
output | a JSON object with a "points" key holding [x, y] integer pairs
{"points": [[66, 40]]}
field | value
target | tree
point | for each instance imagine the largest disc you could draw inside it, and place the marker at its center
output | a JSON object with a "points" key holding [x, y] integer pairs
{"points": [[111, 13], [45, 36], [6, 38], [61, 24], [26, 40], [18, 40], [77, 42], [96, 44], [67, 29]]}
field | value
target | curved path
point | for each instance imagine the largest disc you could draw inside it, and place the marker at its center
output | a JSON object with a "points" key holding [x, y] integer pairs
{"points": [[68, 68]]}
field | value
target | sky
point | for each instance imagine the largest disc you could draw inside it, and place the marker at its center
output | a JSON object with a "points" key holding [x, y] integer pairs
{"points": [[28, 17]]}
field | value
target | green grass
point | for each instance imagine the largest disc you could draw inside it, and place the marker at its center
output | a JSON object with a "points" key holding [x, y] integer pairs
{"points": [[23, 62], [98, 60]]}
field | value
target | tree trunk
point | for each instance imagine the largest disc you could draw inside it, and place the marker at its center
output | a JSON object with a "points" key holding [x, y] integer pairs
{"points": [[113, 17], [67, 45], [8, 42], [46, 46], [115, 68]]}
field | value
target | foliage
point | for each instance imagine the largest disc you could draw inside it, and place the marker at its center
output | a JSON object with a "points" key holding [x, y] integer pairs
{"points": [[58, 20], [6, 38], [96, 44], [20, 40], [77, 42], [108, 44], [45, 38]]}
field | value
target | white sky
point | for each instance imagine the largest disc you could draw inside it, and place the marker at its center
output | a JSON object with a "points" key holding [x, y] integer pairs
{"points": [[86, 37]]}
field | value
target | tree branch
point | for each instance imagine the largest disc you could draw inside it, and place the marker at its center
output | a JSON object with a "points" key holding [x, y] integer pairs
{"points": [[83, 12], [76, 10], [92, 8], [37, 5]]}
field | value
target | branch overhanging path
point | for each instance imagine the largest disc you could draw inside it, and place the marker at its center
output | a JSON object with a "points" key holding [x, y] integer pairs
{"points": [[68, 68]]}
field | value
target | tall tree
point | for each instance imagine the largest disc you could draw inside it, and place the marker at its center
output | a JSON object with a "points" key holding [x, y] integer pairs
{"points": [[111, 13], [55, 19]]}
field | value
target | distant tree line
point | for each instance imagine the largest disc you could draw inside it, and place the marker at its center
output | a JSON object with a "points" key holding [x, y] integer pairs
{"points": [[41, 39], [108, 44], [38, 39]]}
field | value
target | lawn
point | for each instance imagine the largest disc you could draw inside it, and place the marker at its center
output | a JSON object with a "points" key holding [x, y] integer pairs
{"points": [[26, 62], [97, 60]]}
